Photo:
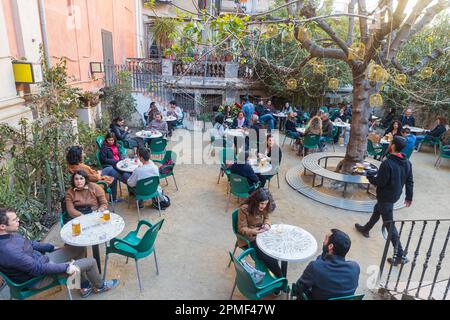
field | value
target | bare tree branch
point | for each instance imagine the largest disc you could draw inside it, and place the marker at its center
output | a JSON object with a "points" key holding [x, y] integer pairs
{"points": [[429, 15], [433, 56], [403, 33], [351, 22], [363, 22]]}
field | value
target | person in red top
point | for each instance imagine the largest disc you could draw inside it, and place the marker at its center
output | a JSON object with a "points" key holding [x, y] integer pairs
{"points": [[110, 156]]}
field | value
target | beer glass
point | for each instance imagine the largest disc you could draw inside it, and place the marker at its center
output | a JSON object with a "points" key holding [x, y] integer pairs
{"points": [[76, 228], [106, 215]]}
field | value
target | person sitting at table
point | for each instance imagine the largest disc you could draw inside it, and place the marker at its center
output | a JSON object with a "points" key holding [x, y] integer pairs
{"points": [[147, 170], [273, 154], [330, 275], [218, 130], [123, 133], [287, 108], [395, 129], [110, 155], [244, 169], [240, 121], [150, 114], [327, 131], [291, 125], [408, 119], [341, 114], [438, 130], [84, 197], [159, 124], [22, 260], [314, 127], [227, 112], [410, 141], [253, 219], [255, 131], [75, 157], [265, 116], [388, 118]]}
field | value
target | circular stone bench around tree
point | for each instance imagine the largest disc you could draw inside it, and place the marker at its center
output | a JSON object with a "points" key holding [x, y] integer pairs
{"points": [[312, 163]]}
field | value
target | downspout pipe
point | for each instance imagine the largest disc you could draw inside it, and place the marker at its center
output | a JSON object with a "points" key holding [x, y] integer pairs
{"points": [[44, 32]]}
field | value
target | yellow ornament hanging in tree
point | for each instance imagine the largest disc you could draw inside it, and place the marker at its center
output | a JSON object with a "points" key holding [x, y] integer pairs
{"points": [[303, 34], [426, 72], [271, 31], [376, 100], [291, 84], [333, 84], [400, 79], [356, 51], [318, 67]]}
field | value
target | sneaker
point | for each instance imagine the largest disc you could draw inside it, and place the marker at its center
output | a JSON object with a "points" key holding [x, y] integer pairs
{"points": [[141, 204], [400, 260], [362, 230], [108, 285], [86, 292], [119, 200]]}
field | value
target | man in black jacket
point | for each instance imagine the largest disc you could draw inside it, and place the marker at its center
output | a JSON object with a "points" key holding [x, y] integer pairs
{"points": [[395, 172], [408, 119], [244, 169]]}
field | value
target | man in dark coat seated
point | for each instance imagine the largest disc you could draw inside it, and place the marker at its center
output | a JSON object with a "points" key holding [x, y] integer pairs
{"points": [[330, 275]]}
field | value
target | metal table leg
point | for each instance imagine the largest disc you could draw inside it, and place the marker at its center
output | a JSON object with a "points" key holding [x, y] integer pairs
{"points": [[345, 190], [284, 266], [96, 254]]}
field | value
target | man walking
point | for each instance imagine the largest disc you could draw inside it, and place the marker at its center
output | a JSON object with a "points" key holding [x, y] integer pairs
{"points": [[249, 109], [395, 172]]}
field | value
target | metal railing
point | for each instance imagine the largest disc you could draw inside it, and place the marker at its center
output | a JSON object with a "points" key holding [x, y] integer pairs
{"points": [[427, 276], [213, 69]]}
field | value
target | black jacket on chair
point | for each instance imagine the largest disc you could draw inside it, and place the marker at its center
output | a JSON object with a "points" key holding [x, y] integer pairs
{"points": [[118, 131], [329, 276], [246, 171]]}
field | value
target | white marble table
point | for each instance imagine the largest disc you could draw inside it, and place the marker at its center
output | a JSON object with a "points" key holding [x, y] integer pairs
{"points": [[169, 118], [94, 231], [384, 141], [287, 243], [235, 132], [258, 168], [149, 134], [341, 124], [301, 130], [128, 165], [416, 129]]}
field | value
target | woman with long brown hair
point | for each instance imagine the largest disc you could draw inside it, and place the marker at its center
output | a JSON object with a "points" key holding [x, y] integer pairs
{"points": [[253, 218]]}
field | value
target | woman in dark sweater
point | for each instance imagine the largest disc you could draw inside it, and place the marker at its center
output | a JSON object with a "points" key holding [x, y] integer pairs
{"points": [[110, 156], [395, 129], [291, 125], [123, 133]]}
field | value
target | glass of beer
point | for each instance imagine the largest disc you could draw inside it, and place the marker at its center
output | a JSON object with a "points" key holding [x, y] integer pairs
{"points": [[106, 215], [76, 228]]}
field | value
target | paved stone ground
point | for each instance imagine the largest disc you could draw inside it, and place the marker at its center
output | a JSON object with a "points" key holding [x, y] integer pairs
{"points": [[193, 244]]}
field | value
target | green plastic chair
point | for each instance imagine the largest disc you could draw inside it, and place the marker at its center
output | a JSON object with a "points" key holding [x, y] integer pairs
{"points": [[310, 141], [239, 187], [374, 151], [158, 149], [64, 218], [269, 178], [123, 147], [290, 136], [146, 189], [226, 154], [100, 140], [169, 155], [131, 246], [305, 297], [22, 291], [234, 219], [444, 153], [331, 139], [247, 286], [432, 141]]}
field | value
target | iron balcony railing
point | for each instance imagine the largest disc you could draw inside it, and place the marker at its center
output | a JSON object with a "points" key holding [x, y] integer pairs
{"points": [[427, 275], [213, 69]]}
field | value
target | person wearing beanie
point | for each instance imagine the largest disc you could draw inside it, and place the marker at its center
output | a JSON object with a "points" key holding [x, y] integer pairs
{"points": [[394, 173]]}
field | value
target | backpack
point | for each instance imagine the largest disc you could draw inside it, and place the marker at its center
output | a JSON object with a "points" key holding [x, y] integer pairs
{"points": [[164, 201]]}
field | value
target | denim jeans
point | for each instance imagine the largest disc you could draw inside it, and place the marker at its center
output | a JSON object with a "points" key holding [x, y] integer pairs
{"points": [[419, 139], [122, 176], [271, 263], [268, 118]]}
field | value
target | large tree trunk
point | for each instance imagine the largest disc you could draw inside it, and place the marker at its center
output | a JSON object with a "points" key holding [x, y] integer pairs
{"points": [[357, 145]]}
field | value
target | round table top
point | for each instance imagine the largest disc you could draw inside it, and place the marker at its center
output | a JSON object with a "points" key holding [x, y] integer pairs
{"points": [[416, 129], [301, 130], [258, 168], [94, 230], [280, 114], [341, 124], [149, 134], [235, 132], [128, 165], [169, 118], [287, 243]]}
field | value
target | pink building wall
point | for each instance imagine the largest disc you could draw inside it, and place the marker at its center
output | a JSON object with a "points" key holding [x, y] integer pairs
{"points": [[74, 31]]}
